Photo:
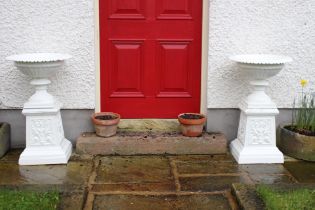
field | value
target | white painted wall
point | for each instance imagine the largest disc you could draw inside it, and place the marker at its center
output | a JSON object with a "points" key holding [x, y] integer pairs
{"points": [[65, 26], [236, 26], [259, 26]]}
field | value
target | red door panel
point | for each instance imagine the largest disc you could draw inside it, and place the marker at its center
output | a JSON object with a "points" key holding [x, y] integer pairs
{"points": [[150, 57]]}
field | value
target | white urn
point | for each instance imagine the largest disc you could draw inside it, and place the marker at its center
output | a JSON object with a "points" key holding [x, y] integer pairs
{"points": [[256, 140], [45, 141], [40, 67]]}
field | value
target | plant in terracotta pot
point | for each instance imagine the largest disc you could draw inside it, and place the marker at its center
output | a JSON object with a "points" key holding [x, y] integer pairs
{"points": [[105, 123], [191, 124], [298, 139]]}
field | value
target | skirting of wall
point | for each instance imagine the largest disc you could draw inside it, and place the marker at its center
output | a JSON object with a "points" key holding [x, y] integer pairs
{"points": [[77, 121]]}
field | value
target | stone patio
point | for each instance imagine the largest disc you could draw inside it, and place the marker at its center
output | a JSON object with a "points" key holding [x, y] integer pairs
{"points": [[148, 182]]}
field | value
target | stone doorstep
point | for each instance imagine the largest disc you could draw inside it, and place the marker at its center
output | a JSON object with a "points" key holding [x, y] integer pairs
{"points": [[143, 143], [145, 125]]}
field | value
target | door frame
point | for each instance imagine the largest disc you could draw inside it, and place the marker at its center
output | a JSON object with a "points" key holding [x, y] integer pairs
{"points": [[204, 56]]}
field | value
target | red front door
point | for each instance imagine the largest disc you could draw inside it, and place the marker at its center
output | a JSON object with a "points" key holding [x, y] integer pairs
{"points": [[150, 57]]}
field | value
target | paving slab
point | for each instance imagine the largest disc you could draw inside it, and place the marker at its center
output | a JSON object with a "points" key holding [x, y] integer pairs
{"points": [[134, 187], [210, 183], [247, 197], [72, 173], [134, 173], [207, 167], [303, 172], [132, 143], [272, 179], [136, 202], [196, 158], [264, 169], [12, 156], [72, 201], [133, 169]]}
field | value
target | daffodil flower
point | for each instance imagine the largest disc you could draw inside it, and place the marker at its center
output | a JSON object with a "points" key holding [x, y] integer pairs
{"points": [[303, 82]]}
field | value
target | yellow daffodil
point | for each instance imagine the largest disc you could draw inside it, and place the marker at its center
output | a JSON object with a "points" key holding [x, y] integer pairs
{"points": [[303, 82]]}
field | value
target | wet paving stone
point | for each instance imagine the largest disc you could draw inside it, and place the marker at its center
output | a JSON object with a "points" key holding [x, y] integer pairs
{"points": [[303, 172], [264, 169], [136, 173], [197, 158], [12, 156], [126, 187], [183, 202], [72, 201], [207, 167], [72, 173], [210, 183], [136, 169], [272, 179]]}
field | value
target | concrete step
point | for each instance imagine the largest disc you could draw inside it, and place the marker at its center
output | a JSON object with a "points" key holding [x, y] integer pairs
{"points": [[143, 143]]}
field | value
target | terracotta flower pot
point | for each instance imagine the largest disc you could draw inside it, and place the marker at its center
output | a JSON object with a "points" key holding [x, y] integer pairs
{"points": [[191, 124], [105, 123], [296, 145]]}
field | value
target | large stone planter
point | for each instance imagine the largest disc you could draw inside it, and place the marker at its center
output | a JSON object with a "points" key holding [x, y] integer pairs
{"points": [[296, 145], [4, 138]]}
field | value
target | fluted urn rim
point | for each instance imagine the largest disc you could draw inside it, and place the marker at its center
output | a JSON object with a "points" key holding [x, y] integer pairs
{"points": [[263, 59], [38, 57]]}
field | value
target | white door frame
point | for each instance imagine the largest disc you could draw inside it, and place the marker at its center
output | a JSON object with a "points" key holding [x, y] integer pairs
{"points": [[204, 57]]}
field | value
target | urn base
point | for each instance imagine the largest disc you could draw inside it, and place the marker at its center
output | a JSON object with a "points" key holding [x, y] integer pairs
{"points": [[255, 154], [39, 155]]}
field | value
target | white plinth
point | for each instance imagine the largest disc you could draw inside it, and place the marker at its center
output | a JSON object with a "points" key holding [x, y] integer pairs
{"points": [[45, 141], [256, 140]]}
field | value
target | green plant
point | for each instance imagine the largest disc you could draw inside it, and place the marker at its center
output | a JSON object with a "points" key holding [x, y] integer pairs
{"points": [[287, 199], [27, 200], [303, 116]]}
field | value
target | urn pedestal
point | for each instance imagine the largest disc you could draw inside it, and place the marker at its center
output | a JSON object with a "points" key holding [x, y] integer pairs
{"points": [[45, 141], [256, 139]]}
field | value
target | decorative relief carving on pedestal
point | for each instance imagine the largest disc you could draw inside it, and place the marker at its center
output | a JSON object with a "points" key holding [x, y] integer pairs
{"points": [[260, 131], [41, 132]]}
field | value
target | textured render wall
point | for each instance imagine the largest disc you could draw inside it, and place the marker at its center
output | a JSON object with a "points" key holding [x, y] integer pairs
{"points": [[259, 26], [236, 26], [65, 26]]}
